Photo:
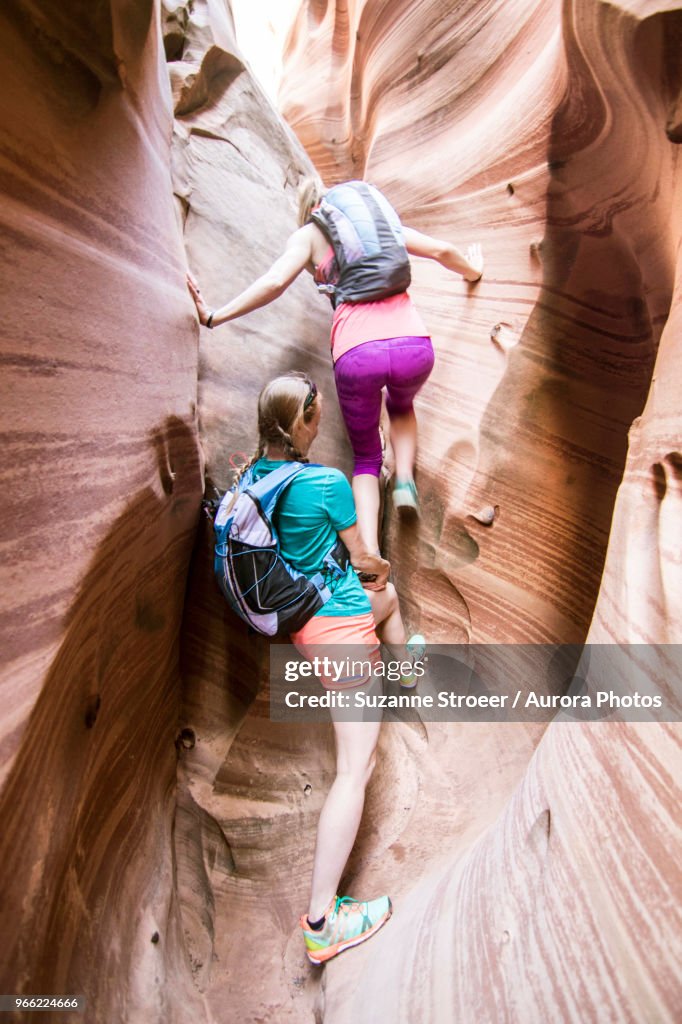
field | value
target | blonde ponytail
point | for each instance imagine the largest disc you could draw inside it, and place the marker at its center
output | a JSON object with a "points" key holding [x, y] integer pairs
{"points": [[310, 194]]}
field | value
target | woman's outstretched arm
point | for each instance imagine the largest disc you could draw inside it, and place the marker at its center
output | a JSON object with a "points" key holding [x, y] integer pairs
{"points": [[469, 265], [286, 268]]}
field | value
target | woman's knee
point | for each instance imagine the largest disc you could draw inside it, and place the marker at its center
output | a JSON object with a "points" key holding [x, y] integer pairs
{"points": [[357, 766], [391, 597], [399, 408], [359, 773], [384, 602]]}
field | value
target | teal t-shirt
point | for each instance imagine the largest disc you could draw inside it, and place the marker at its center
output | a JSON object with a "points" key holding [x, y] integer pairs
{"points": [[313, 508]]}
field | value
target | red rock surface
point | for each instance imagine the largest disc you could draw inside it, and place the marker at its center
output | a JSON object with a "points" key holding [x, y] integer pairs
{"points": [[250, 791], [528, 886], [550, 147], [100, 488], [492, 123]]}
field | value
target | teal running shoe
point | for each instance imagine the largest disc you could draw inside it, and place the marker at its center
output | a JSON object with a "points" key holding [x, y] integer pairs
{"points": [[348, 922], [406, 499], [416, 648]]}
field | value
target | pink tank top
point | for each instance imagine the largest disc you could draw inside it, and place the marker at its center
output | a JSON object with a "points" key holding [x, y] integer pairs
{"points": [[355, 323]]}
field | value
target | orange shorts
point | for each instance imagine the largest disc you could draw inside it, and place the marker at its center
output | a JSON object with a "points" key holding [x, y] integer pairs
{"points": [[349, 640]]}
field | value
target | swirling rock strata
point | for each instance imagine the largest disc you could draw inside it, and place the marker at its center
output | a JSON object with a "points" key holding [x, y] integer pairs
{"points": [[492, 122], [250, 790], [507, 124], [165, 906], [100, 483]]}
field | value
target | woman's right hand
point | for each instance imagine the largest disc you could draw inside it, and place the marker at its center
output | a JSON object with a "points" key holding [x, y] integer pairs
{"points": [[195, 292], [474, 257], [363, 561], [377, 568]]}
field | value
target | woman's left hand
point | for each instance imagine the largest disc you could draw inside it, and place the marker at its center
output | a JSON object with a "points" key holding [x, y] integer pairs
{"points": [[195, 292]]}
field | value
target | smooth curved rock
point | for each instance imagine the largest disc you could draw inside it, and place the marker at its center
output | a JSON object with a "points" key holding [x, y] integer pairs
{"points": [[492, 125], [511, 123], [522, 138], [101, 480]]}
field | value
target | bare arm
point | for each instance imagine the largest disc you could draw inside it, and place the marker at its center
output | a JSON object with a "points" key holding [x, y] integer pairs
{"points": [[470, 266], [363, 560], [265, 289]]}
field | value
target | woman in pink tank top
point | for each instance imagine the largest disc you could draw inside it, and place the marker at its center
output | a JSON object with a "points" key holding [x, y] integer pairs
{"points": [[375, 345]]}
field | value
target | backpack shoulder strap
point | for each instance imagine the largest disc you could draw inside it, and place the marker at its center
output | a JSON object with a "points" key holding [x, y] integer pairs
{"points": [[277, 479], [268, 490]]}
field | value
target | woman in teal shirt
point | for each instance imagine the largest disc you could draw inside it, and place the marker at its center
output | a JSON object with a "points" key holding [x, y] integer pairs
{"points": [[316, 507]]}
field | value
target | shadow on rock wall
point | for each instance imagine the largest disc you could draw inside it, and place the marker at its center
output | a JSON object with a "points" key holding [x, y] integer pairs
{"points": [[92, 899]]}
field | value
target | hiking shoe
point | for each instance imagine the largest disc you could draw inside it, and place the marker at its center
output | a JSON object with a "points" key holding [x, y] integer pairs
{"points": [[406, 499], [348, 922], [416, 648]]}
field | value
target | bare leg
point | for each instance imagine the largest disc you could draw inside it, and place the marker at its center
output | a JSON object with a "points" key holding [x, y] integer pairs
{"points": [[389, 621], [391, 630], [404, 443], [355, 755], [340, 818], [367, 502]]}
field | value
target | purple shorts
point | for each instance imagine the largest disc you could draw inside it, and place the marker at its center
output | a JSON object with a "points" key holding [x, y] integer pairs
{"points": [[401, 365]]}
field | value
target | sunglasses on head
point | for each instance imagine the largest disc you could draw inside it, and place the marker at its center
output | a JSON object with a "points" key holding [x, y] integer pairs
{"points": [[311, 396]]}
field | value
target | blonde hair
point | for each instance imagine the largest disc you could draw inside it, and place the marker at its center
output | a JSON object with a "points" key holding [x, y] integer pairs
{"points": [[280, 410], [310, 192]]}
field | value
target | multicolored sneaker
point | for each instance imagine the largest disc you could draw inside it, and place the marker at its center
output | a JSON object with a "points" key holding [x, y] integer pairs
{"points": [[405, 498], [348, 922], [416, 648]]}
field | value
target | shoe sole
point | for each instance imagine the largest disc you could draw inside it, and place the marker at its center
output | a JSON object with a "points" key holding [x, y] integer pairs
{"points": [[327, 954], [407, 512], [406, 502]]}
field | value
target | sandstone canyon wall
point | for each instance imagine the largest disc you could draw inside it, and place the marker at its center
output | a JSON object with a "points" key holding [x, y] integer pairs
{"points": [[250, 791], [545, 130], [512, 125], [528, 886], [101, 481]]}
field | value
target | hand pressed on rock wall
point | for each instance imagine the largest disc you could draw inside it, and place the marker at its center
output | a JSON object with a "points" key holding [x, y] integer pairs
{"points": [[469, 264], [195, 292], [474, 256]]}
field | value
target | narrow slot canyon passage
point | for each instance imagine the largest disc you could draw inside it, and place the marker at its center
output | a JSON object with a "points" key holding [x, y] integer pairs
{"points": [[158, 826]]}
